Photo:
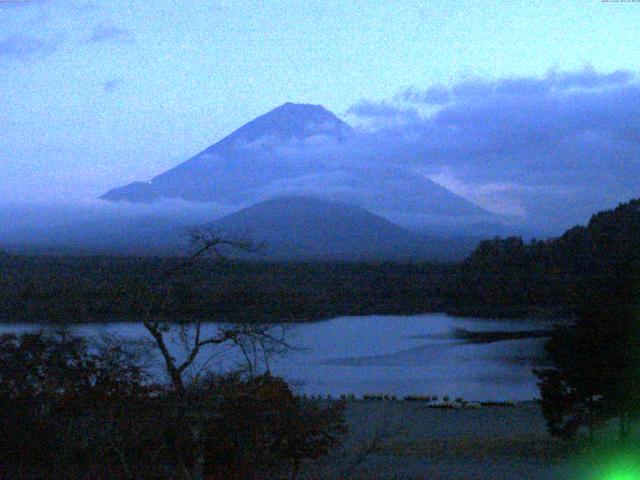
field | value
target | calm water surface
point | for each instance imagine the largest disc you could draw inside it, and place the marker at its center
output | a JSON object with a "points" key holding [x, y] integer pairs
{"points": [[399, 355]]}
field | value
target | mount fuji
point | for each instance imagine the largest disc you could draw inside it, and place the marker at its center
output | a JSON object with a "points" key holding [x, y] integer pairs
{"points": [[301, 149]]}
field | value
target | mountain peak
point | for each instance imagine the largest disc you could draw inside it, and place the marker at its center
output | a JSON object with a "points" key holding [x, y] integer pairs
{"points": [[301, 108], [292, 121], [298, 105]]}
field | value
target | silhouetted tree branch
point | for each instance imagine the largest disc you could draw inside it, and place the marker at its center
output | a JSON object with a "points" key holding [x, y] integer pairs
{"points": [[243, 335]]}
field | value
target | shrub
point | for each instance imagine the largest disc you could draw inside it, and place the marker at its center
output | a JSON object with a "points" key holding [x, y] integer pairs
{"points": [[69, 412]]}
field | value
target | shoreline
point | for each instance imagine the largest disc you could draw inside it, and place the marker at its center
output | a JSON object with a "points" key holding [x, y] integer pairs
{"points": [[427, 401], [404, 440]]}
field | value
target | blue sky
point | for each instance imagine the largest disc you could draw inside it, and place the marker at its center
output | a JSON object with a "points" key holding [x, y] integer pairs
{"points": [[97, 94]]}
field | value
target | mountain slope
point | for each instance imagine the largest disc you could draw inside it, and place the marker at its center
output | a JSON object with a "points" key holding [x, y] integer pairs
{"points": [[303, 228], [242, 160]]}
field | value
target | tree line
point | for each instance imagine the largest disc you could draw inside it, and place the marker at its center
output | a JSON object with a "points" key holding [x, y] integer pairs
{"points": [[59, 289], [590, 277], [595, 377]]}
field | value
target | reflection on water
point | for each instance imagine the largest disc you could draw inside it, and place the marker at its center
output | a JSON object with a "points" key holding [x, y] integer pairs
{"points": [[420, 354]]}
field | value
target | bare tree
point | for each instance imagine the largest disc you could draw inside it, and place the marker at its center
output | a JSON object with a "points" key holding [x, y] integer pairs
{"points": [[255, 341]]}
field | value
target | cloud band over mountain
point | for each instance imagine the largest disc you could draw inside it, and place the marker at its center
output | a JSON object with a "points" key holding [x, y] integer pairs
{"points": [[558, 146]]}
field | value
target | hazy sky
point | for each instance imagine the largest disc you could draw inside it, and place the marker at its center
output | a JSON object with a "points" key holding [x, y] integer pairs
{"points": [[97, 94]]}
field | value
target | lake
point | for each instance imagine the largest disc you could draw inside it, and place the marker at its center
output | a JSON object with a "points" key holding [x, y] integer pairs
{"points": [[431, 354]]}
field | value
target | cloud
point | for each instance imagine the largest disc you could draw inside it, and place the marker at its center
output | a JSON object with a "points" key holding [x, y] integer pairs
{"points": [[567, 141], [26, 46], [335, 183], [376, 115], [550, 150], [103, 224], [435, 95], [110, 34], [498, 197], [589, 78], [24, 3], [111, 85], [32, 17]]}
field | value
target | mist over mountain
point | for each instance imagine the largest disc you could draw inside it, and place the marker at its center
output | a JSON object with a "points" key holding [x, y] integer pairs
{"points": [[285, 228], [299, 149], [103, 228], [300, 180]]}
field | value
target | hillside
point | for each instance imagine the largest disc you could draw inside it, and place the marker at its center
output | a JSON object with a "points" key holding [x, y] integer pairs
{"points": [[508, 277], [303, 228]]}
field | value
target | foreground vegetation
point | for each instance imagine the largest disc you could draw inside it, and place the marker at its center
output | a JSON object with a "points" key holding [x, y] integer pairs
{"points": [[67, 411], [70, 411], [73, 410], [596, 359], [552, 278]]}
